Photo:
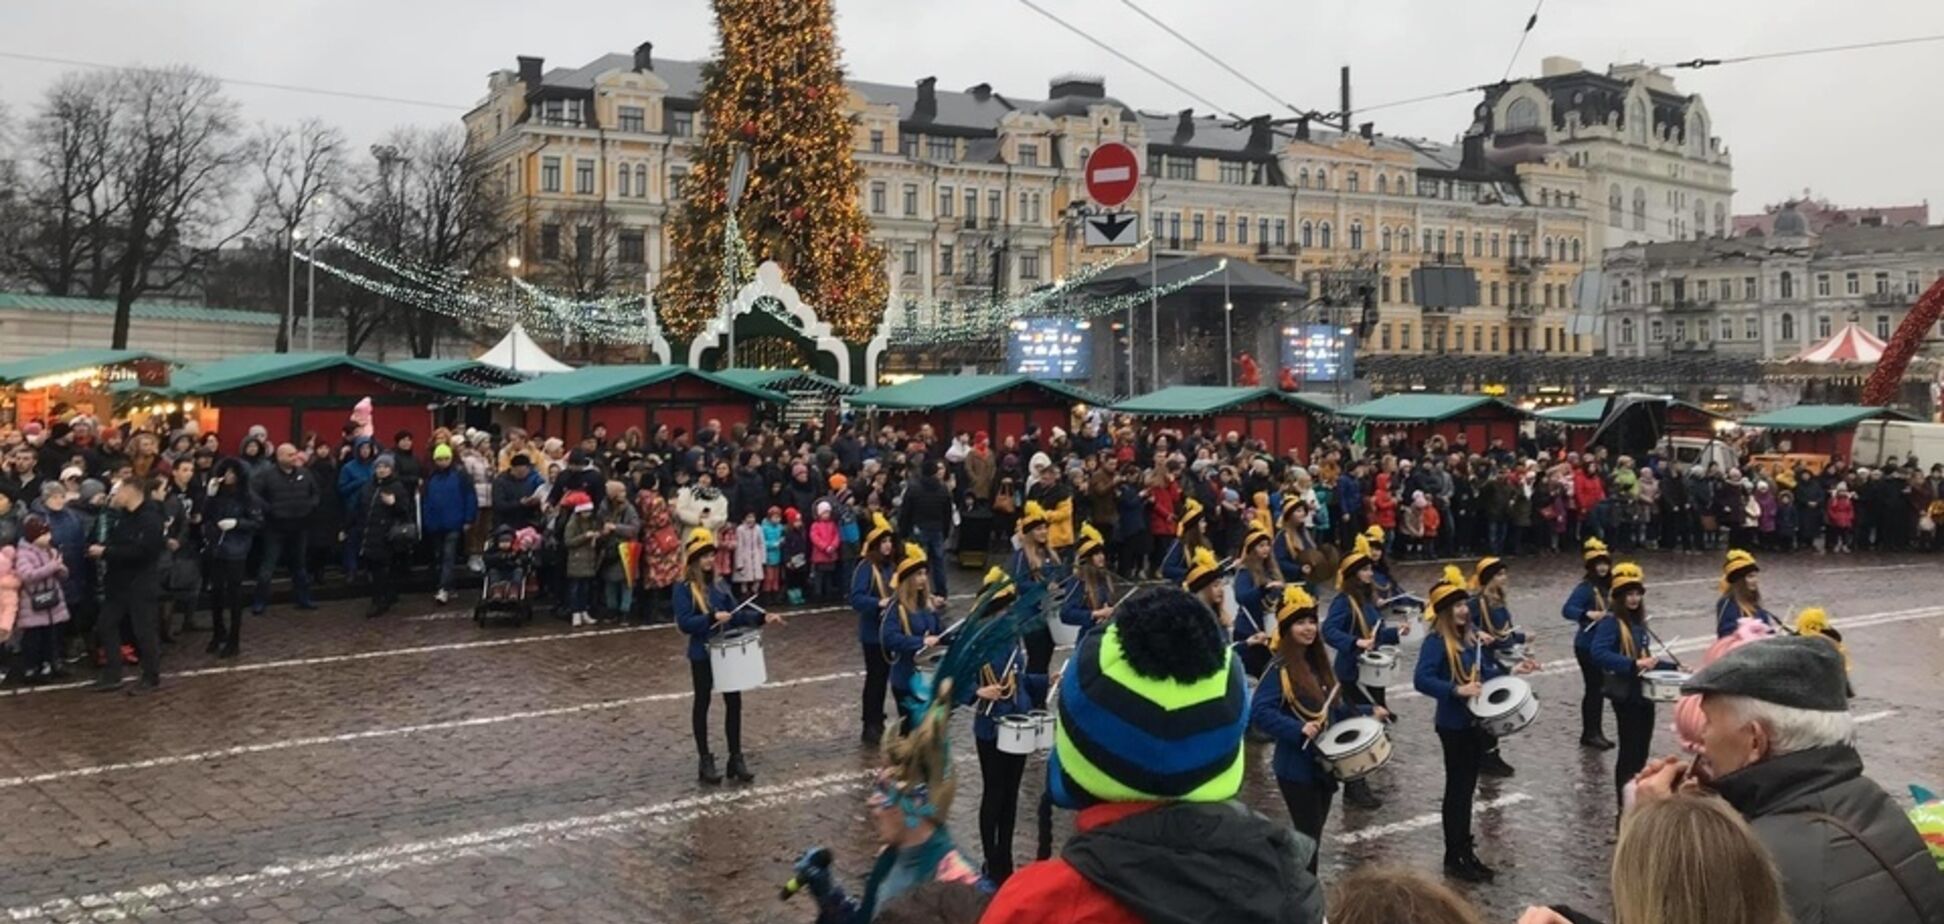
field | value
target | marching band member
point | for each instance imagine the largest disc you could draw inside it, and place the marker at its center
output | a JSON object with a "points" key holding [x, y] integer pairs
{"points": [[1191, 536], [1091, 602], [870, 596], [1385, 586], [704, 606], [1289, 706], [1356, 625], [1293, 541], [1493, 622], [1037, 564], [1004, 688], [1205, 581], [1452, 668], [1620, 647], [1258, 585], [1584, 609], [1741, 594], [909, 626]]}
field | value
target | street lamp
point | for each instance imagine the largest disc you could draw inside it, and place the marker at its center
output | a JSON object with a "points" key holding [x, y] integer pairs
{"points": [[310, 281], [1228, 324], [290, 288]]}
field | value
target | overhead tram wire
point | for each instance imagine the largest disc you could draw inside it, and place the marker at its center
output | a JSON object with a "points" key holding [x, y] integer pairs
{"points": [[1698, 63], [1531, 21], [1224, 65], [234, 81], [1151, 72]]}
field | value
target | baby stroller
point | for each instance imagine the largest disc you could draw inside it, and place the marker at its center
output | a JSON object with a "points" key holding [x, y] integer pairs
{"points": [[509, 568]]}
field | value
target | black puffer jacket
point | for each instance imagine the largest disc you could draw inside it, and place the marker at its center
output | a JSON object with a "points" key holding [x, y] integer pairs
{"points": [[379, 517], [1827, 876], [1241, 866], [288, 498]]}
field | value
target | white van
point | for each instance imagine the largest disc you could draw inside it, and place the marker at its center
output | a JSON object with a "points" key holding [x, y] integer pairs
{"points": [[1693, 452], [1890, 442]]}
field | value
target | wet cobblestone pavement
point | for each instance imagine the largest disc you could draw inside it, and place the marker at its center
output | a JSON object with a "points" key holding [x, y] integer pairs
{"points": [[419, 768]]}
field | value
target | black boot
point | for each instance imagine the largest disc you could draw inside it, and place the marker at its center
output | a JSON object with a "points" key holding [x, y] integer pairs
{"points": [[1458, 866], [707, 771], [215, 644], [1357, 794], [873, 735], [1494, 765], [1478, 866], [1596, 741], [739, 771]]}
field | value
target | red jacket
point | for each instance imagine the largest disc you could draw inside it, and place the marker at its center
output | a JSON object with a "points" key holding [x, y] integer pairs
{"points": [[1588, 490], [1383, 507], [1052, 892], [1162, 502]]}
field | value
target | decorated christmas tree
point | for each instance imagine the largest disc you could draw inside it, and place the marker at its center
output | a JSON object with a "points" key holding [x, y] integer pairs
{"points": [[776, 92]]}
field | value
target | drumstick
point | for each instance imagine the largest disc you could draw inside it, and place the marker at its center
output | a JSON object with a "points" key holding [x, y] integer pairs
{"points": [[1665, 647], [1323, 721]]}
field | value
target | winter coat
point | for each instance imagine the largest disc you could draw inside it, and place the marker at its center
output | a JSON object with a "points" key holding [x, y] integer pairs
{"points": [[1383, 505], [378, 517], [824, 542], [772, 544], [705, 507], [31, 567], [1588, 490], [134, 552], [11, 603], [328, 519], [288, 498], [1828, 877], [353, 476], [230, 503], [509, 499], [751, 552], [72, 533], [627, 528], [583, 537], [450, 503], [661, 544], [1842, 511]]}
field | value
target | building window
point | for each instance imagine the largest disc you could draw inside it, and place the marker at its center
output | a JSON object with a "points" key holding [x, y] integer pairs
{"points": [[1322, 178], [1546, 295], [631, 119], [1384, 290], [1234, 172], [1882, 283], [1750, 292], [1478, 245], [677, 176], [1822, 285], [1197, 225], [1308, 235], [877, 198], [1701, 290], [1576, 250], [1752, 328], [1656, 330], [1616, 208], [945, 260], [1404, 239], [877, 141], [633, 251], [1221, 229], [1637, 122], [1912, 284], [1883, 327], [1788, 285], [1356, 235], [1383, 184], [1495, 294], [1242, 229], [971, 208], [1404, 289], [911, 200], [944, 201], [1495, 246], [1495, 340], [1029, 155], [995, 208], [623, 186], [1174, 227], [1441, 246], [1640, 209], [1787, 326], [1727, 328], [911, 259], [584, 177], [908, 145], [1549, 249], [1822, 325], [1383, 334], [1680, 330], [549, 242], [1522, 115], [1282, 232], [1029, 265], [681, 124], [1458, 239], [1384, 237], [1478, 338], [1852, 283], [550, 174], [1323, 238], [1351, 181], [1302, 178], [1404, 334], [1653, 293], [1428, 248], [937, 148]]}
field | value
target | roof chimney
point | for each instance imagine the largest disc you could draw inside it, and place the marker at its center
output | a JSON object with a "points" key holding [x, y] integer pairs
{"points": [[645, 56], [1184, 125], [1368, 130], [980, 91], [1302, 129], [530, 71], [1261, 137], [926, 108], [1086, 85]]}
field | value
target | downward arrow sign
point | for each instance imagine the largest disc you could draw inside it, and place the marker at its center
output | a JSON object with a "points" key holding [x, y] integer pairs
{"points": [[1113, 225]]}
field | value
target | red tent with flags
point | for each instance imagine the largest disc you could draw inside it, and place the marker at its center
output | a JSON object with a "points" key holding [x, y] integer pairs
{"points": [[1852, 344]]}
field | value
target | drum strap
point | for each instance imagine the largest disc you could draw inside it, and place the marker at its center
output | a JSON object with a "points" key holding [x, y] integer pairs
{"points": [[1627, 641], [1459, 674], [1356, 613], [1296, 703]]}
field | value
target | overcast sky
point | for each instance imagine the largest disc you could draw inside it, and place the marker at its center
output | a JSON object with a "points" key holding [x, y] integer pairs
{"points": [[1859, 127]]}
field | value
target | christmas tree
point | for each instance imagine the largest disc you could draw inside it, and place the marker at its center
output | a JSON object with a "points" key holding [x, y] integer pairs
{"points": [[777, 92]]}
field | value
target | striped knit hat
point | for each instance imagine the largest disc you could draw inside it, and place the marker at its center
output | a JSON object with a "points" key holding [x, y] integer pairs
{"points": [[1151, 710]]}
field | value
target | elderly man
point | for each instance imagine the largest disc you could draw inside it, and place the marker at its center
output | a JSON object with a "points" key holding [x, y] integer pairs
{"points": [[1779, 747]]}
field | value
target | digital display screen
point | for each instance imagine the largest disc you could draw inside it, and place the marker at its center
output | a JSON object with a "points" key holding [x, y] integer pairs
{"points": [[1050, 348], [1318, 353]]}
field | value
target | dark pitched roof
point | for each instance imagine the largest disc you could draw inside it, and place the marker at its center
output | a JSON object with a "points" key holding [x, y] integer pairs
{"points": [[1244, 278]]}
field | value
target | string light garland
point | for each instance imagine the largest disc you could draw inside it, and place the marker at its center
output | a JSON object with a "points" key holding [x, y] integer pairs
{"points": [[1046, 305]]}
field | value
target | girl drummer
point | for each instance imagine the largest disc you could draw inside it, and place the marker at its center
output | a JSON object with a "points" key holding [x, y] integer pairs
{"points": [[1004, 688], [910, 625], [1295, 545], [704, 607], [1091, 601], [1258, 587], [1381, 581], [1298, 698], [1622, 651], [1191, 533], [1205, 581], [1493, 622], [1037, 565], [1585, 608], [870, 596], [1452, 669], [1741, 595], [1356, 625]]}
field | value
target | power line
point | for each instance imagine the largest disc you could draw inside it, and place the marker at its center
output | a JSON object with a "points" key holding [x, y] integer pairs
{"points": [[1698, 63], [233, 81], [1151, 72], [1531, 21], [1224, 65]]}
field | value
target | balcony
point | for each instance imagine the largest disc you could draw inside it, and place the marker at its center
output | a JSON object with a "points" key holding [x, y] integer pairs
{"points": [[1523, 312], [1887, 299], [1690, 347], [1178, 244], [1683, 305], [1526, 265], [1285, 251], [971, 224], [1442, 258]]}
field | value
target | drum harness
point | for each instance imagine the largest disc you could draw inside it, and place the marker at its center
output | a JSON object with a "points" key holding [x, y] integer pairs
{"points": [[1364, 631], [1008, 684]]}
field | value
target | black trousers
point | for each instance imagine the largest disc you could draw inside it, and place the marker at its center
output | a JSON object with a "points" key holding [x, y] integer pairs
{"points": [[139, 607], [1591, 699], [1039, 656], [1635, 719], [1463, 750], [382, 574], [1254, 659], [877, 674], [1309, 806], [704, 677], [999, 773], [1354, 695], [226, 601]]}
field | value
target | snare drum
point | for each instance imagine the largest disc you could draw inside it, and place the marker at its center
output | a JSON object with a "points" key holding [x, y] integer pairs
{"points": [[1379, 668], [1017, 734], [1504, 706], [1663, 686], [1064, 636], [1353, 748], [736, 660], [1510, 656], [1042, 730]]}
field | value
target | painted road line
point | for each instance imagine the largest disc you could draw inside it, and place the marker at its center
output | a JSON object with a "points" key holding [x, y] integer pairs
{"points": [[1425, 820], [1864, 569], [1877, 716]]}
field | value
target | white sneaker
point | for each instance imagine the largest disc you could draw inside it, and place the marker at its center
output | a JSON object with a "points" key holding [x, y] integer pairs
{"points": [[442, 597]]}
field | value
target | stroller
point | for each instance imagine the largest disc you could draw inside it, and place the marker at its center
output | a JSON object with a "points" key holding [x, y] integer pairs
{"points": [[509, 570]]}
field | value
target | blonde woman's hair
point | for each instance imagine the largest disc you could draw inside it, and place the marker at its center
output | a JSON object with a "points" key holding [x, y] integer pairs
{"points": [[1691, 859], [1394, 895]]}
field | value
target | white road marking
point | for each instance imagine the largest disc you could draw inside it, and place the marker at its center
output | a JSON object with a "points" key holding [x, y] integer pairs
{"points": [[1687, 581], [439, 617], [1425, 820], [1862, 569], [395, 732], [1878, 716]]}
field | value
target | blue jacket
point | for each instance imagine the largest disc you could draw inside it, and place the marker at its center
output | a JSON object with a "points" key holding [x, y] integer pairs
{"points": [[1256, 599], [1584, 599], [1079, 606], [1434, 679], [1271, 714], [1349, 495], [902, 636], [1132, 508], [1174, 564], [1292, 569], [1380, 578], [1728, 614], [697, 620], [353, 475], [451, 504], [1611, 657], [864, 597], [1050, 575], [1027, 689], [1496, 621], [1340, 630]]}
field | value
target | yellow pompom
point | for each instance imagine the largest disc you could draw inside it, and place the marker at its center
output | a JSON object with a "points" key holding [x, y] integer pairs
{"points": [[1453, 576]]}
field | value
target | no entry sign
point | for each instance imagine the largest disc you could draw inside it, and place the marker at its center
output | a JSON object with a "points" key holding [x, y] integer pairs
{"points": [[1113, 172]]}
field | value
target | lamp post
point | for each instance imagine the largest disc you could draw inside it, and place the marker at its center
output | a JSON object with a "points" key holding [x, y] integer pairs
{"points": [[1228, 324], [290, 288], [513, 348], [310, 283]]}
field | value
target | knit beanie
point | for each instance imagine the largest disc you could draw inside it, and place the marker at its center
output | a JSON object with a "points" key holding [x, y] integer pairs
{"points": [[1151, 710], [441, 451]]}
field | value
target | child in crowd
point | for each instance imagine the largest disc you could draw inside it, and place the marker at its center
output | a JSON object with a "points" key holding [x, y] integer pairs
{"points": [[773, 533], [826, 545], [749, 556], [796, 556], [1842, 519], [583, 558], [1785, 521]]}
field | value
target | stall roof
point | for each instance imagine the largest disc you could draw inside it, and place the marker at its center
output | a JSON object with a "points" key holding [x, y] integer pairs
{"points": [[256, 368], [949, 391], [590, 384], [1416, 408], [782, 380], [464, 371], [1589, 412], [1201, 400], [67, 361], [1822, 416]]}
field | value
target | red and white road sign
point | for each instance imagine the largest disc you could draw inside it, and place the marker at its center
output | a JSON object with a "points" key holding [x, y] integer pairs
{"points": [[1112, 173]]}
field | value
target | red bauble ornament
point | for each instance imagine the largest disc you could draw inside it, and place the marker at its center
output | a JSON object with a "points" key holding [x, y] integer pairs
{"points": [[813, 92], [749, 130], [798, 214], [856, 241]]}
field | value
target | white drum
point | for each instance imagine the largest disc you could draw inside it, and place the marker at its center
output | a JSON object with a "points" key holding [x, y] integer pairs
{"points": [[1018, 734], [1064, 636], [1510, 656], [925, 667], [1042, 730], [1505, 706], [1379, 667], [736, 659], [1353, 748], [1404, 608], [1663, 686]]}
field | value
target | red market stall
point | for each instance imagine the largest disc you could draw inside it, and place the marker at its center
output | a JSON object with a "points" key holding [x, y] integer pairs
{"points": [[75, 382], [290, 394], [1000, 405], [1820, 429], [568, 404], [1581, 420], [1422, 416], [1281, 420]]}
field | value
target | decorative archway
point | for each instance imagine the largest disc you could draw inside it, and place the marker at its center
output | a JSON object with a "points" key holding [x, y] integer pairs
{"points": [[774, 300]]}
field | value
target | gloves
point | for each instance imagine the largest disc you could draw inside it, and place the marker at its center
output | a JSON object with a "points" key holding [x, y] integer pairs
{"points": [[226, 524]]}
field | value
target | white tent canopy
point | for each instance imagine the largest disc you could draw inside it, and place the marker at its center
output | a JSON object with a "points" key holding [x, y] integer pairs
{"points": [[517, 352]]}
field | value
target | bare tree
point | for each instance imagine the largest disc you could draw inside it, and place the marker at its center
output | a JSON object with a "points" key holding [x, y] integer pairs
{"points": [[589, 264], [300, 167], [61, 241]]}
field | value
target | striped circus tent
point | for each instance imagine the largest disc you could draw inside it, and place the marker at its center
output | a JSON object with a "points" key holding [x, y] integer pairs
{"points": [[1852, 344]]}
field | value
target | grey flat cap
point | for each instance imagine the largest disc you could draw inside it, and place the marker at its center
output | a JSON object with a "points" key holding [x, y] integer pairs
{"points": [[1801, 672]]}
